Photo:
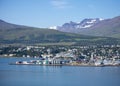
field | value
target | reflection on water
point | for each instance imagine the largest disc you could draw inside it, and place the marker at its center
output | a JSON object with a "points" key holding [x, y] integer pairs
{"points": [[24, 75]]}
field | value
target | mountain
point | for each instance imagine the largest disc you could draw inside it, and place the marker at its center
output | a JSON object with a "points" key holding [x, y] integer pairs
{"points": [[5, 25], [75, 27], [94, 27], [106, 28], [17, 34]]}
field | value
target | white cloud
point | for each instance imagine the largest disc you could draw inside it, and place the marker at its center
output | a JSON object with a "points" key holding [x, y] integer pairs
{"points": [[60, 4]]}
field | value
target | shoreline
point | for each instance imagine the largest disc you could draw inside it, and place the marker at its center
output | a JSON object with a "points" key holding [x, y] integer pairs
{"points": [[67, 65]]}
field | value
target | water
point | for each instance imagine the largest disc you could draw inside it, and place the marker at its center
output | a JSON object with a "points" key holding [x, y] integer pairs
{"points": [[28, 75]]}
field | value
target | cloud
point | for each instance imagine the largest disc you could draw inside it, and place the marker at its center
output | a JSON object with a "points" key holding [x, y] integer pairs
{"points": [[60, 4]]}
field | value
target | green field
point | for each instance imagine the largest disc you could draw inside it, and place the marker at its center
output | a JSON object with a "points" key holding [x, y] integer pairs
{"points": [[49, 37]]}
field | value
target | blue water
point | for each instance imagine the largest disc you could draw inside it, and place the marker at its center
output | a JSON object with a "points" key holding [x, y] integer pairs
{"points": [[28, 75]]}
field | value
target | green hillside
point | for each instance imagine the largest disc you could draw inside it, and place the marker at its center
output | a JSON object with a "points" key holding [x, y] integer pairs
{"points": [[37, 35], [18, 34]]}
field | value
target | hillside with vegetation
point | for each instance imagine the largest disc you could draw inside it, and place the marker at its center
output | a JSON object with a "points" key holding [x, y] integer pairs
{"points": [[30, 35]]}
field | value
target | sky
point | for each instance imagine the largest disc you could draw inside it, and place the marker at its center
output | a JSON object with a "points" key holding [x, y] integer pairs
{"points": [[46, 13]]}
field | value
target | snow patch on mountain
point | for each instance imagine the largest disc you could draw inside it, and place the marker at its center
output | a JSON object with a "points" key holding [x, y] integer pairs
{"points": [[75, 26], [53, 27]]}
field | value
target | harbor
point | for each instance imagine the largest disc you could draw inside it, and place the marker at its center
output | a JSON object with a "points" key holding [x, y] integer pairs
{"points": [[39, 75], [58, 62]]}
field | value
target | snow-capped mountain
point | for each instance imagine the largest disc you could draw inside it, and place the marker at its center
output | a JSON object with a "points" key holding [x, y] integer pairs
{"points": [[73, 26], [94, 26]]}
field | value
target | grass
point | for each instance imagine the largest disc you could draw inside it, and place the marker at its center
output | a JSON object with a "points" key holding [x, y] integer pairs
{"points": [[47, 37], [59, 43]]}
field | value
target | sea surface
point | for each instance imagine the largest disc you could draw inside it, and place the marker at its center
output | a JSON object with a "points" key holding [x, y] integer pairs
{"points": [[29, 75]]}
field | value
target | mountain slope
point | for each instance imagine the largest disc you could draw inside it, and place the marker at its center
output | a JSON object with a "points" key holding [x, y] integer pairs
{"points": [[5, 25], [75, 27], [11, 33], [106, 28], [30, 35], [35, 35]]}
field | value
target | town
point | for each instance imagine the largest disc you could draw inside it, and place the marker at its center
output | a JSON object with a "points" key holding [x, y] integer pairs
{"points": [[91, 55]]}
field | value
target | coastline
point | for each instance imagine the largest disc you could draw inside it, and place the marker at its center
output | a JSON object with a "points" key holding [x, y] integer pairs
{"points": [[80, 65], [68, 64]]}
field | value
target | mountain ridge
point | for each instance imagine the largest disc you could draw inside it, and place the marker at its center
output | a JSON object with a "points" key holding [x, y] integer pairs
{"points": [[30, 35], [94, 27], [6, 25]]}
